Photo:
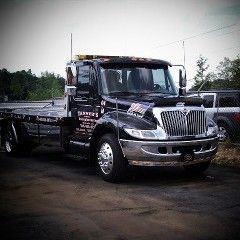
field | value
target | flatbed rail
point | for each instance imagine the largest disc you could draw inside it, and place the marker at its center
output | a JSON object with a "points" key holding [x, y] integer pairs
{"points": [[49, 112], [38, 119], [24, 104]]}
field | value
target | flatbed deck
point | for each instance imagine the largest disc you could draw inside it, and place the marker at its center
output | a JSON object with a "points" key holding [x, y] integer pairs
{"points": [[45, 112]]}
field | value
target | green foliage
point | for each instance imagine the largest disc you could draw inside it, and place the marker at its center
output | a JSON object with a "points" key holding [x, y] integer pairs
{"points": [[224, 69], [48, 86], [201, 75], [4, 82], [227, 75], [23, 85]]}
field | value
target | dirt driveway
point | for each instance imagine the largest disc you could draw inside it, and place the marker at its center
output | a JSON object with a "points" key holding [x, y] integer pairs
{"points": [[51, 195]]}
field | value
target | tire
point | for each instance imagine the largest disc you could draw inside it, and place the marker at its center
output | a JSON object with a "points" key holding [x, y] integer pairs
{"points": [[110, 160], [13, 147], [197, 168], [224, 132], [10, 142]]}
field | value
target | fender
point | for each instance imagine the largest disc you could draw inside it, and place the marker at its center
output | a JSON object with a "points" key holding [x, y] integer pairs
{"points": [[109, 123]]}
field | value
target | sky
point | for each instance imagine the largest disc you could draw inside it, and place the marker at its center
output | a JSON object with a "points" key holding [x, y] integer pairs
{"points": [[35, 34]]}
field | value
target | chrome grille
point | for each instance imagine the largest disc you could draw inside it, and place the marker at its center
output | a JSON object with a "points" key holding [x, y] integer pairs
{"points": [[180, 123]]}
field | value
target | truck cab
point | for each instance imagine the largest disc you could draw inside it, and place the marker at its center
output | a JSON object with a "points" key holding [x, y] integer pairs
{"points": [[128, 111]]}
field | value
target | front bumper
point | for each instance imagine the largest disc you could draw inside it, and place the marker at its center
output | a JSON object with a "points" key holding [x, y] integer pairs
{"points": [[168, 153]]}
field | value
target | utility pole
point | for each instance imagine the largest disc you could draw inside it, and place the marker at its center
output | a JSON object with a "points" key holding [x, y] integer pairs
{"points": [[184, 54], [71, 46]]}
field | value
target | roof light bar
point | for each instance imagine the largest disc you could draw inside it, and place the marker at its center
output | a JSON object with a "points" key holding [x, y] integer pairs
{"points": [[91, 57]]}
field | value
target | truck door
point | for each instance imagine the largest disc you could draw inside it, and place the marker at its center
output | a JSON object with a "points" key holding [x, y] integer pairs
{"points": [[84, 109]]}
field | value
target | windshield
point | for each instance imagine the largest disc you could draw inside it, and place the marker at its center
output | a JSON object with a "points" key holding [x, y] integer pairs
{"points": [[136, 79]]}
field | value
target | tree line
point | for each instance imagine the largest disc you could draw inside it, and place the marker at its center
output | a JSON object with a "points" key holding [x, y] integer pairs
{"points": [[23, 85], [226, 76]]}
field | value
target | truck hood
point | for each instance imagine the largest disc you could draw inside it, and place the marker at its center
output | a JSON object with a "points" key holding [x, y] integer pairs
{"points": [[154, 101], [137, 112]]}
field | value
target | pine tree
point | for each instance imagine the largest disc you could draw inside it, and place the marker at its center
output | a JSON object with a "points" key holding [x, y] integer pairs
{"points": [[201, 76]]}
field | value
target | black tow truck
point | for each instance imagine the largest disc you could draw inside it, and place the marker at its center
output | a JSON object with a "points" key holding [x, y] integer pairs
{"points": [[118, 111]]}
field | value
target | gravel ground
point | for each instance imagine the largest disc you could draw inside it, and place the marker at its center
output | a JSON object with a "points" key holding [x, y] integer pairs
{"points": [[51, 195], [228, 155]]}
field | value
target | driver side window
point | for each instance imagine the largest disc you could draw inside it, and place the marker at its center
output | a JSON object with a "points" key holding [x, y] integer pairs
{"points": [[83, 80], [83, 75], [159, 79]]}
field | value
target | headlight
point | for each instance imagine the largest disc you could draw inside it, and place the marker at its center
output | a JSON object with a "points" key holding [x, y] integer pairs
{"points": [[212, 128], [159, 133]]}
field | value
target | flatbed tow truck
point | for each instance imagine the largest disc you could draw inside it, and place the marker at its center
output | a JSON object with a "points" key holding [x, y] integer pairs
{"points": [[117, 111]]}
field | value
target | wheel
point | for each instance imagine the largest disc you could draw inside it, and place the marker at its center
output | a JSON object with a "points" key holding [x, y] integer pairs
{"points": [[12, 147], [111, 163], [197, 168], [10, 144], [223, 132]]}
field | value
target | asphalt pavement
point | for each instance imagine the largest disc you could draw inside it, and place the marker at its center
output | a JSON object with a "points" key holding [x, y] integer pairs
{"points": [[52, 195]]}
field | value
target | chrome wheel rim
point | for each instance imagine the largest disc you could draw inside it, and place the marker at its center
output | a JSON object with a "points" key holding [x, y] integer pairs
{"points": [[105, 158], [8, 142], [222, 134]]}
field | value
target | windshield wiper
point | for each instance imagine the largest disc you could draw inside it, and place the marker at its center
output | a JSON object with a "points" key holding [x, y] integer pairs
{"points": [[139, 94], [119, 93], [164, 93]]}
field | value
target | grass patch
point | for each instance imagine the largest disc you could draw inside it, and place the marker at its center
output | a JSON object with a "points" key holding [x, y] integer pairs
{"points": [[228, 155]]}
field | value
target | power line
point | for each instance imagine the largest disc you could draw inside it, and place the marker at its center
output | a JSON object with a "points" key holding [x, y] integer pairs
{"points": [[197, 35], [216, 51], [222, 34], [225, 49], [184, 55]]}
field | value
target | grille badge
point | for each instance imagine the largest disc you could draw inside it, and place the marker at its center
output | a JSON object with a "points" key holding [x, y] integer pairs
{"points": [[185, 111]]}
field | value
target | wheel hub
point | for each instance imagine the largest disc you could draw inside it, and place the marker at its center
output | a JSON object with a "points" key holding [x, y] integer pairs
{"points": [[8, 143], [222, 134], [105, 158], [8, 146]]}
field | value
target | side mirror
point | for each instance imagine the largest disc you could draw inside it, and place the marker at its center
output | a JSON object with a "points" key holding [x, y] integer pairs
{"points": [[182, 79], [182, 82]]}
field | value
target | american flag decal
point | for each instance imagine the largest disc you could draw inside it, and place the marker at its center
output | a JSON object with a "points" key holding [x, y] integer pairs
{"points": [[138, 108]]}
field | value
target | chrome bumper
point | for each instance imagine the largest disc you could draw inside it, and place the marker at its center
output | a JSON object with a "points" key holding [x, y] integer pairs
{"points": [[168, 153]]}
